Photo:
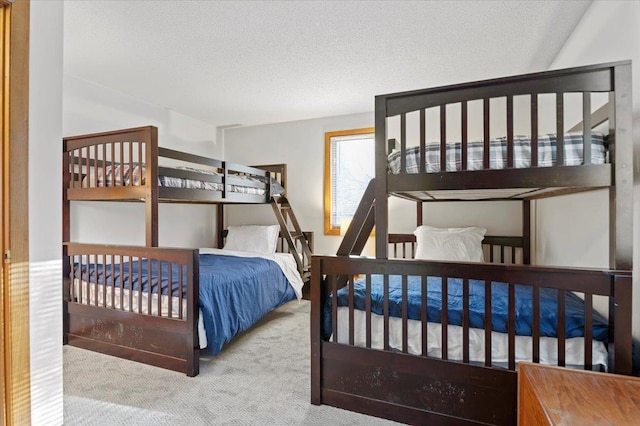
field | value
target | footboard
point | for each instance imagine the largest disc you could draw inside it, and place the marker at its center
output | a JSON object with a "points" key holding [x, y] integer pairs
{"points": [[378, 354], [138, 303]]}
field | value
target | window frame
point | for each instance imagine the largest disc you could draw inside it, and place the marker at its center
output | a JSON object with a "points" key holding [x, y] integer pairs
{"points": [[328, 229]]}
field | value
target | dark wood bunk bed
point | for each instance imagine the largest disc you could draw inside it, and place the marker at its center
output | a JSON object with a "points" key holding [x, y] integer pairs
{"points": [[390, 379], [111, 292]]}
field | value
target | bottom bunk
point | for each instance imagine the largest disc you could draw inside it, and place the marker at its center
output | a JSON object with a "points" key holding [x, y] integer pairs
{"points": [[420, 342], [162, 306]]}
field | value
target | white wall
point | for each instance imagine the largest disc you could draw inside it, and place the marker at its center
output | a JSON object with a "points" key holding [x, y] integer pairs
{"points": [[90, 108], [300, 144], [45, 212], [576, 226]]}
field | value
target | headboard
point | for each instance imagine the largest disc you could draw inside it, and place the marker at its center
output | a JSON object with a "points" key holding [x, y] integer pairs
{"points": [[496, 249]]}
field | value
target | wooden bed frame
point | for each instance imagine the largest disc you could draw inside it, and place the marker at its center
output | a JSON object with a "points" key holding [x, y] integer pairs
{"points": [[153, 338], [393, 384]]}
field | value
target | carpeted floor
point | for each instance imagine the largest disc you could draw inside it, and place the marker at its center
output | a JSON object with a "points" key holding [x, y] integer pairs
{"points": [[261, 378]]}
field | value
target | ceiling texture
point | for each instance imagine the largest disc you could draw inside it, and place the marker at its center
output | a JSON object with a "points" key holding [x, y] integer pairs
{"points": [[257, 62]]}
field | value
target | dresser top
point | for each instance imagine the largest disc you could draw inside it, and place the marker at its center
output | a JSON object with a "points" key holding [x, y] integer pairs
{"points": [[576, 397]]}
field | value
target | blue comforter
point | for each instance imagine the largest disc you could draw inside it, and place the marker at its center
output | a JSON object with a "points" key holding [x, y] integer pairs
{"points": [[235, 292], [574, 313]]}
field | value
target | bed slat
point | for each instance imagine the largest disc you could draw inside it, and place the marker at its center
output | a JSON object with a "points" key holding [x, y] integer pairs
{"points": [[113, 162], [560, 129], [385, 309], [104, 286], [424, 317], [561, 327], [95, 165], [368, 310], [84, 275], [465, 320], [351, 313], [510, 148], [423, 130], [403, 143], [121, 161], [130, 164], [160, 288], [535, 298], [512, 326], [444, 320], [487, 323], [534, 130], [181, 285], [487, 134], [149, 288], [333, 282], [443, 138], [586, 127], [405, 316], [588, 331], [95, 271], [170, 272], [111, 282], [465, 135]]}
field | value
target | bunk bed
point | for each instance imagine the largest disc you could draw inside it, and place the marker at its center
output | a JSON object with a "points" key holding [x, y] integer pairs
{"points": [[373, 350], [158, 305]]}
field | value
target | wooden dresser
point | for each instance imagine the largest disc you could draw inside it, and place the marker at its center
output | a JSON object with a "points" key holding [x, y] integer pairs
{"points": [[562, 396]]}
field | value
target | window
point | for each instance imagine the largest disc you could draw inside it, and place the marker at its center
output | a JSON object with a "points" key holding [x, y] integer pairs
{"points": [[348, 168]]}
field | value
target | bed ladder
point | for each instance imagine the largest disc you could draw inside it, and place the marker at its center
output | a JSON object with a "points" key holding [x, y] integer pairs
{"points": [[361, 225], [296, 239]]}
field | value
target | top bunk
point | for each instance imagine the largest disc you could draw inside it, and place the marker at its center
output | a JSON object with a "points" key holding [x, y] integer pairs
{"points": [[518, 137], [128, 165]]}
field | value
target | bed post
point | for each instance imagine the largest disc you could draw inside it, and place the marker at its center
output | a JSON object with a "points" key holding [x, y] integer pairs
{"points": [[621, 217], [380, 199], [621, 194], [316, 321], [620, 305], [220, 224], [418, 213], [150, 139], [526, 232], [192, 350]]}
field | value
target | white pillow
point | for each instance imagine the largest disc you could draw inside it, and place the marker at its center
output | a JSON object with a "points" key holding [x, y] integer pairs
{"points": [[253, 238], [451, 244]]}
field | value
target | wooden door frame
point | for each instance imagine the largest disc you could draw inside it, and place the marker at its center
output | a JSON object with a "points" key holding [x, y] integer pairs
{"points": [[14, 285]]}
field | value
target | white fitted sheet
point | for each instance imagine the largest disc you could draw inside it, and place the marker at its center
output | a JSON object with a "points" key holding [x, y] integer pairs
{"points": [[574, 347], [90, 298]]}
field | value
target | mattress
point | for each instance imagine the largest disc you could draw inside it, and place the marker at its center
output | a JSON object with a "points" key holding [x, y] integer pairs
{"points": [[574, 317], [547, 151], [234, 291], [126, 175]]}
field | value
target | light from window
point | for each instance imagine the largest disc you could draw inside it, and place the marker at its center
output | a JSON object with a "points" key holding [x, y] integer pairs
{"points": [[349, 166]]}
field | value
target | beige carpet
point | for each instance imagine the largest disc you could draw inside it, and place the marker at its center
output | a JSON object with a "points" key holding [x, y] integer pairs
{"points": [[261, 378]]}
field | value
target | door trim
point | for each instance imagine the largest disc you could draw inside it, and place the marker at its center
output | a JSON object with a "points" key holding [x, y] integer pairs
{"points": [[15, 212]]}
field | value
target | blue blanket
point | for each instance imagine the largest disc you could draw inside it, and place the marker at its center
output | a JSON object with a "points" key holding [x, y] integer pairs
{"points": [[235, 292], [574, 313]]}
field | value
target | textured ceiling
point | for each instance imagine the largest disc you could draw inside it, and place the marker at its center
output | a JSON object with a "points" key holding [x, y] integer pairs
{"points": [[263, 62]]}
